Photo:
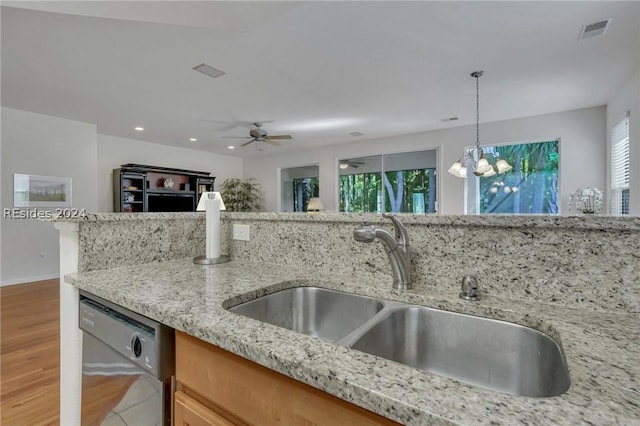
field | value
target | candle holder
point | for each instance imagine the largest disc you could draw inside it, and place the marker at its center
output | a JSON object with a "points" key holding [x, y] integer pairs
{"points": [[204, 260]]}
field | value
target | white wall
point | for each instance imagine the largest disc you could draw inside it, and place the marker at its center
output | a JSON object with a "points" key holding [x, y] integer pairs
{"points": [[114, 151], [582, 135], [628, 99], [50, 146]]}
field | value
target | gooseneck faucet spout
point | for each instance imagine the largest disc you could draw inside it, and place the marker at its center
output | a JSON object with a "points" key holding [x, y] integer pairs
{"points": [[396, 246]]}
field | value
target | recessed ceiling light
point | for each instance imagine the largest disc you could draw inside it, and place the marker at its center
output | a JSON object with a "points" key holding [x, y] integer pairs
{"points": [[356, 134], [193, 139], [231, 147], [209, 70], [139, 129]]}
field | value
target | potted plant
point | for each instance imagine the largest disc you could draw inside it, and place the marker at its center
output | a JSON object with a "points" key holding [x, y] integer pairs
{"points": [[240, 195]]}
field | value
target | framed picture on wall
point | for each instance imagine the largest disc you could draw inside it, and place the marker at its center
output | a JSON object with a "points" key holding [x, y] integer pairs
{"points": [[41, 191]]}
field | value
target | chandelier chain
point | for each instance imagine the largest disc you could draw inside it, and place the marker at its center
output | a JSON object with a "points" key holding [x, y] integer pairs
{"points": [[478, 113]]}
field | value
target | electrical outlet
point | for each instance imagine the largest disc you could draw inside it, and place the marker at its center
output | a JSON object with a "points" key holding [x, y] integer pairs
{"points": [[240, 232]]}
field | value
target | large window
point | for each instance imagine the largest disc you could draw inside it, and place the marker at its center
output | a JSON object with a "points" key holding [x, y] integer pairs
{"points": [[619, 195], [399, 183], [531, 187]]}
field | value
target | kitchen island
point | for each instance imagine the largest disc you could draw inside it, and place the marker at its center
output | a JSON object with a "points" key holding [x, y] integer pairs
{"points": [[575, 279], [602, 349]]}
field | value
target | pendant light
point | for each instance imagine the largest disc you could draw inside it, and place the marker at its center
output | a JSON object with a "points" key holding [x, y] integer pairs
{"points": [[482, 166]]}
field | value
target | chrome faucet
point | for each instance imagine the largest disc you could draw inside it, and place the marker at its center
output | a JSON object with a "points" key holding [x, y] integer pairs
{"points": [[396, 247]]}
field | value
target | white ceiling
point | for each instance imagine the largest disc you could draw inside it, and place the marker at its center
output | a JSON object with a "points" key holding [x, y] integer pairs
{"points": [[318, 70]]}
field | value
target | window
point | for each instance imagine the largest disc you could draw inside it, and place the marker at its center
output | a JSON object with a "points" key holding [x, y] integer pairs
{"points": [[531, 187], [298, 185], [400, 183], [619, 195], [303, 190]]}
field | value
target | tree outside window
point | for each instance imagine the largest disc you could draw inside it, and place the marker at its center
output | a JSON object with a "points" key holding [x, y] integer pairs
{"points": [[303, 190], [531, 187], [398, 183], [298, 185]]}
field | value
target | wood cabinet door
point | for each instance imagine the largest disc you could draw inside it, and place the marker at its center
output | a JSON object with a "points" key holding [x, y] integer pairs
{"points": [[189, 412], [257, 395]]}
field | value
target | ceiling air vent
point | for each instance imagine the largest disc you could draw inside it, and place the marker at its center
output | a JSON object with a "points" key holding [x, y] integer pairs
{"points": [[209, 70], [595, 29]]}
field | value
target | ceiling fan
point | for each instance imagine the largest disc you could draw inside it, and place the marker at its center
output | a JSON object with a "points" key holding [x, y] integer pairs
{"points": [[259, 135], [345, 164]]}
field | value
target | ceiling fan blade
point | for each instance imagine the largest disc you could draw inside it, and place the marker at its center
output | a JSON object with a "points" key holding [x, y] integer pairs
{"points": [[279, 137], [248, 142], [269, 141], [236, 137]]}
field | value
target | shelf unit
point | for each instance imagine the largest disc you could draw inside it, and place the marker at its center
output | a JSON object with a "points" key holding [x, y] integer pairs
{"points": [[128, 194], [141, 188]]}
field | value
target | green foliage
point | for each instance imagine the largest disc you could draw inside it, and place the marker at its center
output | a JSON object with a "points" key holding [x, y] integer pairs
{"points": [[534, 175], [359, 192], [240, 195], [362, 192]]}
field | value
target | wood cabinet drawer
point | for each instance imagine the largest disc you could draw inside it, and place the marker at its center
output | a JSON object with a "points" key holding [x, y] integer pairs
{"points": [[189, 412], [258, 395]]}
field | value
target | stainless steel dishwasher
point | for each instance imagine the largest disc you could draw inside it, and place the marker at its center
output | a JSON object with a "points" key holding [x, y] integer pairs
{"points": [[128, 365]]}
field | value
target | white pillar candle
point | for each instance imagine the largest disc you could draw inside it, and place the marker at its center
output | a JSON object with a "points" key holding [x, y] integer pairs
{"points": [[213, 228]]}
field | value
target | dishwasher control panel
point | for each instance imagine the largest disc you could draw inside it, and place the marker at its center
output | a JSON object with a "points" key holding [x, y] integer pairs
{"points": [[146, 342]]}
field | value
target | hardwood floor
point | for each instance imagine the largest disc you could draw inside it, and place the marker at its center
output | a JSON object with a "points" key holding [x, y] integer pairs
{"points": [[30, 354]]}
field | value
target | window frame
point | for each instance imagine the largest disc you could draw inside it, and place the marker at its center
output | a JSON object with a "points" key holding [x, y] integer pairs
{"points": [[469, 192], [437, 168], [620, 180]]}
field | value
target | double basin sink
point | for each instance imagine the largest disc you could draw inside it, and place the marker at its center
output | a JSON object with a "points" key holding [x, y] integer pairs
{"points": [[488, 353]]}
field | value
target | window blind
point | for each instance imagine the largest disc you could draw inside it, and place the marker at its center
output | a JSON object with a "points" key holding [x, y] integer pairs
{"points": [[619, 195]]}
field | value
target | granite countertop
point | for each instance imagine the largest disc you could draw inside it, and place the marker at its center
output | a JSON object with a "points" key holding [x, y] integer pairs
{"points": [[602, 349], [630, 223]]}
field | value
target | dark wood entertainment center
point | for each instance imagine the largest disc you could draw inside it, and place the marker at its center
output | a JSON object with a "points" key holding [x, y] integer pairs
{"points": [[142, 188]]}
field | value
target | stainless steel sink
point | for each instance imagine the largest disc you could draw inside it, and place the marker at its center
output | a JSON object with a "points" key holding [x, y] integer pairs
{"points": [[318, 312], [492, 354], [488, 353]]}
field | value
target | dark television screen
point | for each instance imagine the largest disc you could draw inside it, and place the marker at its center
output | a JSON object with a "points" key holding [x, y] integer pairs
{"points": [[170, 203]]}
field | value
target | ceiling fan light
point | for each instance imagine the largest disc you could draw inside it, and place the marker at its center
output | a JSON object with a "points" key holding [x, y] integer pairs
{"points": [[503, 166], [343, 166]]}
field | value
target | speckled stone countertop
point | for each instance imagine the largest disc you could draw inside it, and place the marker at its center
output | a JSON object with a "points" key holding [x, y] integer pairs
{"points": [[602, 349], [509, 221]]}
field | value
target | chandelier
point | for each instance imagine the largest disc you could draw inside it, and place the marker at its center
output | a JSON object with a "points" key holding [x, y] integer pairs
{"points": [[481, 167]]}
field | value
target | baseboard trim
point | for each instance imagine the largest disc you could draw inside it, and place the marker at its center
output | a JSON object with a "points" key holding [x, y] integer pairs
{"points": [[29, 279]]}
